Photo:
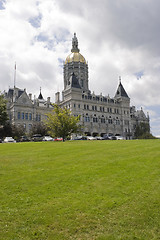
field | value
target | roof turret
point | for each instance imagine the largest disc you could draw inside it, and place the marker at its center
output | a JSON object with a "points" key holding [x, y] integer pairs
{"points": [[75, 55], [121, 91], [40, 97]]}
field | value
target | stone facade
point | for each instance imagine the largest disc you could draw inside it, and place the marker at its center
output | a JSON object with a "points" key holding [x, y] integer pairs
{"points": [[99, 114], [25, 111]]}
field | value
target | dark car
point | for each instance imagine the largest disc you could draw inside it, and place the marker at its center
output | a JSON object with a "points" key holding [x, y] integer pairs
{"points": [[37, 138], [106, 137], [24, 139], [113, 138]]}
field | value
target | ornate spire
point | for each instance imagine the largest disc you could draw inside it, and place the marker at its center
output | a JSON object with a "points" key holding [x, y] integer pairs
{"points": [[40, 95], [75, 44]]}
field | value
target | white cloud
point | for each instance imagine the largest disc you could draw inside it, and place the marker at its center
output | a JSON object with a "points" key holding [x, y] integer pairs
{"points": [[117, 38]]}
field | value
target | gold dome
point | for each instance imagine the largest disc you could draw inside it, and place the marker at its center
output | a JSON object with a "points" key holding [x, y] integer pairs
{"points": [[75, 57]]}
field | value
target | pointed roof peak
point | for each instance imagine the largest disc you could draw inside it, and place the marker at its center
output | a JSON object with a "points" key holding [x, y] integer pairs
{"points": [[40, 97], [121, 91]]}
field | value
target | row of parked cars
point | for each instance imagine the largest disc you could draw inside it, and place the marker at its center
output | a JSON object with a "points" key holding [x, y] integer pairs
{"points": [[39, 138], [105, 137], [34, 138]]}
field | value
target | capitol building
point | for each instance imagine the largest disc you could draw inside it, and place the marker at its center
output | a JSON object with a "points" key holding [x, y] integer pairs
{"points": [[99, 114]]}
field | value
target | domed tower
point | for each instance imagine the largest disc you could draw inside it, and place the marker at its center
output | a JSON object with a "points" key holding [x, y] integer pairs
{"points": [[76, 63]]}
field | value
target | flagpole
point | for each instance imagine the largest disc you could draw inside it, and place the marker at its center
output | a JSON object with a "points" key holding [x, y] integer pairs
{"points": [[15, 75]]}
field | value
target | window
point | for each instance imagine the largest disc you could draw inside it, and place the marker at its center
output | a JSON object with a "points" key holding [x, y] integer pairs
{"points": [[22, 115], [19, 115], [110, 121], [84, 106], [30, 116], [117, 122], [78, 105], [81, 83], [87, 119], [95, 119], [74, 105], [38, 117], [102, 120], [26, 116]]}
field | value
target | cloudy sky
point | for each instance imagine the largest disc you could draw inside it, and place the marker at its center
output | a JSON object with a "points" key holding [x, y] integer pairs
{"points": [[117, 38]]}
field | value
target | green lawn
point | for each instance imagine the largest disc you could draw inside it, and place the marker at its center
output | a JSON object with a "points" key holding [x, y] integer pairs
{"points": [[81, 190]]}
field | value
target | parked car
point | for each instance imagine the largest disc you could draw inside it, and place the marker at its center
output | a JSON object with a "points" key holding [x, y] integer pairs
{"points": [[99, 138], [106, 137], [113, 138], [84, 138], [0, 140], [109, 137], [24, 139], [58, 139], [9, 140], [47, 138], [91, 138], [37, 138], [77, 138], [120, 138]]}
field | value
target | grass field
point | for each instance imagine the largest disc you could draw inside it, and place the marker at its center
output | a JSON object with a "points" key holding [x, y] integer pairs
{"points": [[81, 190]]}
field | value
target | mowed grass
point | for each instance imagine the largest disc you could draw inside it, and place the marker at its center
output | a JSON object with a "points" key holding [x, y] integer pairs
{"points": [[81, 190]]}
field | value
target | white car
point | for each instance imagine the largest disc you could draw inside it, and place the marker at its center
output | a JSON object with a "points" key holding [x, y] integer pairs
{"points": [[99, 138], [9, 140], [47, 138], [91, 138], [120, 138]]}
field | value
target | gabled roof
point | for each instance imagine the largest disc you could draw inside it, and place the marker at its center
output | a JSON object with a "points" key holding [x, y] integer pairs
{"points": [[24, 99], [121, 91], [74, 81]]}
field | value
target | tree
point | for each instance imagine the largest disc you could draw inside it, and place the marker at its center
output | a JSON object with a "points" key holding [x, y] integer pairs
{"points": [[3, 111], [17, 131], [142, 131], [39, 128], [61, 123]]}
